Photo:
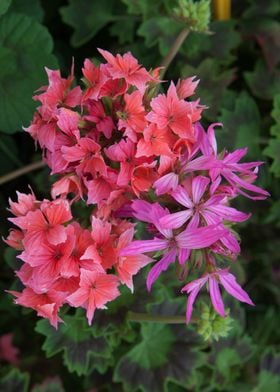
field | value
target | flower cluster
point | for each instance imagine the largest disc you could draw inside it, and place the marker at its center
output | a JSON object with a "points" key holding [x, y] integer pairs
{"points": [[134, 154]]}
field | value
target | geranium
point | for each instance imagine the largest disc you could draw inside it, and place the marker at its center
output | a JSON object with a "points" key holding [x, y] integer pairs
{"points": [[136, 154]]}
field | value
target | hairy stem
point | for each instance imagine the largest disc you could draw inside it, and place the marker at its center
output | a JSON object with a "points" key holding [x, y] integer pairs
{"points": [[20, 172], [174, 50], [139, 317]]}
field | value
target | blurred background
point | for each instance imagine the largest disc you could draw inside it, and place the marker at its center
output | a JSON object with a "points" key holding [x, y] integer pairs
{"points": [[233, 47]]}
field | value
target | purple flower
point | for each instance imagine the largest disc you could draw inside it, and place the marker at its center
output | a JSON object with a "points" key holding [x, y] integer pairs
{"points": [[215, 278], [170, 245]]}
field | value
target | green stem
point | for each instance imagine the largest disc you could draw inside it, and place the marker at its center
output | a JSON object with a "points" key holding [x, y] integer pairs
{"points": [[20, 172], [139, 317], [174, 50]]}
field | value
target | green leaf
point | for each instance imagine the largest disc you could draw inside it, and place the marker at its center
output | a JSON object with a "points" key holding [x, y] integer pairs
{"points": [[4, 5], [262, 7], [147, 8], [263, 82], [269, 375], [275, 114], [20, 37], [81, 349], [14, 381], [32, 8], [213, 83], [273, 151], [227, 359], [218, 45], [87, 18], [125, 31], [49, 385], [164, 353], [241, 125], [160, 30]]}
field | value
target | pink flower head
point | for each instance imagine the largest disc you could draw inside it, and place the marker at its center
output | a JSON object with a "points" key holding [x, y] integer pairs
{"points": [[128, 266], [24, 204], [127, 67], [47, 222], [46, 305], [215, 278], [96, 289], [177, 114]]}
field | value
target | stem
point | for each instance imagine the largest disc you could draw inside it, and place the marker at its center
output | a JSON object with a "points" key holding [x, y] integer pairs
{"points": [[20, 172], [139, 317], [174, 50]]}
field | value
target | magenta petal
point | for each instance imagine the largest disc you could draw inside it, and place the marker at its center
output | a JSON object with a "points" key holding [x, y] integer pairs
{"points": [[199, 185], [138, 247], [190, 302], [181, 196], [215, 296], [166, 184], [233, 288], [176, 220], [229, 213], [159, 267], [201, 237], [183, 255]]}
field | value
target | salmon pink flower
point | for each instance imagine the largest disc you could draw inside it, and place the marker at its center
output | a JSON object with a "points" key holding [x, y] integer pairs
{"points": [[127, 67], [46, 305], [177, 114], [128, 266], [47, 222], [215, 278], [96, 289]]}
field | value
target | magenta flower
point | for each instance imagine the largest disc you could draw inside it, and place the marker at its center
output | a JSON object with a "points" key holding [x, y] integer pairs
{"points": [[215, 278], [169, 244]]}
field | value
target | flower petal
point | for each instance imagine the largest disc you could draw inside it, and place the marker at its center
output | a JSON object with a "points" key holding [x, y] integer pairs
{"points": [[233, 288], [215, 295]]}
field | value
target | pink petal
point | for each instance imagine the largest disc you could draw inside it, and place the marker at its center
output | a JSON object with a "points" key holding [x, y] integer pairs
{"points": [[176, 220], [137, 247], [201, 237], [166, 184], [159, 267], [215, 296], [181, 196], [199, 185], [190, 302], [233, 288], [229, 213]]}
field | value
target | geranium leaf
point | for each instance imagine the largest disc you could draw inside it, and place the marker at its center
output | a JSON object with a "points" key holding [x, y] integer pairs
{"points": [[81, 349], [159, 30], [262, 7], [213, 83], [20, 38], [269, 375], [241, 125], [94, 14], [32, 8], [14, 381], [227, 359], [49, 385], [164, 354], [273, 151], [263, 82], [219, 44], [4, 6]]}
